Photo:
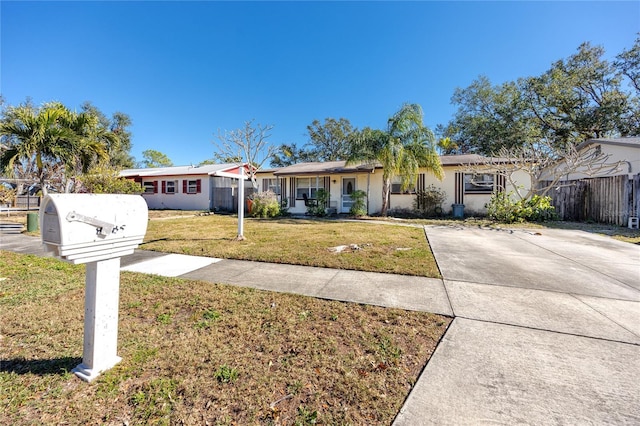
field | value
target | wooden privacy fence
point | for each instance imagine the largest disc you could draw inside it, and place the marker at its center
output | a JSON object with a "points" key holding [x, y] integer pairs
{"points": [[27, 202], [223, 199], [605, 200]]}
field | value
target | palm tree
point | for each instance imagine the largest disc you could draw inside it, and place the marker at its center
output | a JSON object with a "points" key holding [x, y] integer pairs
{"points": [[49, 136], [406, 146], [90, 146]]}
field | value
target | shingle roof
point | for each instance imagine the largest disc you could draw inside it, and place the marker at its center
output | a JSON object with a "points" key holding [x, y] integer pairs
{"points": [[456, 160], [329, 167], [335, 167], [207, 169], [629, 141]]}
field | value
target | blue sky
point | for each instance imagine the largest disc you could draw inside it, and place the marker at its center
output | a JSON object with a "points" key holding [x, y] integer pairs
{"points": [[183, 70]]}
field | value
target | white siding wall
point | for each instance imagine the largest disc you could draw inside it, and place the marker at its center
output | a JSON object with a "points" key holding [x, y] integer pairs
{"points": [[401, 201], [375, 191], [629, 158], [474, 202], [179, 200]]}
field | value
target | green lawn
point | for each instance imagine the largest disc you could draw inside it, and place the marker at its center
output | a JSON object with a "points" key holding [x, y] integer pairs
{"points": [[383, 248], [197, 353]]}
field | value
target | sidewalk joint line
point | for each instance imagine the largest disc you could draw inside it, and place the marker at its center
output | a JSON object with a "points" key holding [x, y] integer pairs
{"points": [[550, 331], [538, 289], [604, 315], [446, 291], [576, 262]]}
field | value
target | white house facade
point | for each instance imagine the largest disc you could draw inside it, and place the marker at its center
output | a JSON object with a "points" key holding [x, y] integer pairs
{"points": [[207, 187], [294, 183]]}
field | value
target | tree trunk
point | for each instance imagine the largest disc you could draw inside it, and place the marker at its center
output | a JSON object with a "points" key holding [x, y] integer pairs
{"points": [[386, 185], [40, 173], [43, 182]]}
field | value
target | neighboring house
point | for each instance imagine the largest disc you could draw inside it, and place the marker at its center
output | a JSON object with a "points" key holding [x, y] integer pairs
{"points": [[207, 187], [625, 152], [292, 183], [608, 192]]}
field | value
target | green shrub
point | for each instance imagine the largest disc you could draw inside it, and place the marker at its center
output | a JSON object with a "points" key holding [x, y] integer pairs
{"points": [[428, 201], [265, 204], [359, 206], [105, 180], [540, 209], [504, 209], [320, 206]]}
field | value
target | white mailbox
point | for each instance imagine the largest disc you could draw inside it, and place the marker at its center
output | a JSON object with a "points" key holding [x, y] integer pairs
{"points": [[96, 229], [85, 228]]}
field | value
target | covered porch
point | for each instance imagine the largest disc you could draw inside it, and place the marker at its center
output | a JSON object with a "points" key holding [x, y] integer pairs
{"points": [[300, 183]]}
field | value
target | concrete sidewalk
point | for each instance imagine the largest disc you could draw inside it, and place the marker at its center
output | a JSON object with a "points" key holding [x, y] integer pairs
{"points": [[546, 328], [388, 290]]}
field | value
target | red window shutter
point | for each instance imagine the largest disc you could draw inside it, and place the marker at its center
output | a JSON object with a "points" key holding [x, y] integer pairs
{"points": [[198, 186], [164, 186], [155, 186], [184, 186]]}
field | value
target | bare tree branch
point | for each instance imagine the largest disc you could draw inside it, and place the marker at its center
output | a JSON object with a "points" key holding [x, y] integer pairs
{"points": [[546, 166], [248, 144]]}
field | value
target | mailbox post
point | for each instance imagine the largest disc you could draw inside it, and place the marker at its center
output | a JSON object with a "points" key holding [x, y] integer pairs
{"points": [[241, 178], [97, 230]]}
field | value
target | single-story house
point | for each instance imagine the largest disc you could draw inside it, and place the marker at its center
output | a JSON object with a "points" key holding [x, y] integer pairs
{"points": [[294, 182], [207, 187], [461, 186], [621, 156]]}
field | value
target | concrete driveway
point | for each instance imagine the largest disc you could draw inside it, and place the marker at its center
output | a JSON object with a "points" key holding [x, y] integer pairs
{"points": [[546, 330]]}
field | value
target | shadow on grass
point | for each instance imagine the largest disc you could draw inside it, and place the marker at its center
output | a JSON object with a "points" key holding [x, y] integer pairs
{"points": [[40, 367]]}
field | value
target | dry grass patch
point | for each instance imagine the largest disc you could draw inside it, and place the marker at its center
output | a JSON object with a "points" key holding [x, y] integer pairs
{"points": [[199, 353], [14, 216], [164, 214], [384, 248]]}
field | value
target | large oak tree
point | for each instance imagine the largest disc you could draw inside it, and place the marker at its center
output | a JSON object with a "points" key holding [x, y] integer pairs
{"points": [[578, 98]]}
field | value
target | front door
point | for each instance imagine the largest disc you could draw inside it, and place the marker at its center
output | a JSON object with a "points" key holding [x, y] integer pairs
{"points": [[348, 186]]}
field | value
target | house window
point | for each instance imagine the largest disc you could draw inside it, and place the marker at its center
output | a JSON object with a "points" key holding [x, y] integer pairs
{"points": [[308, 186], [478, 183], [396, 186], [169, 187], [191, 186], [150, 187], [271, 185]]}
